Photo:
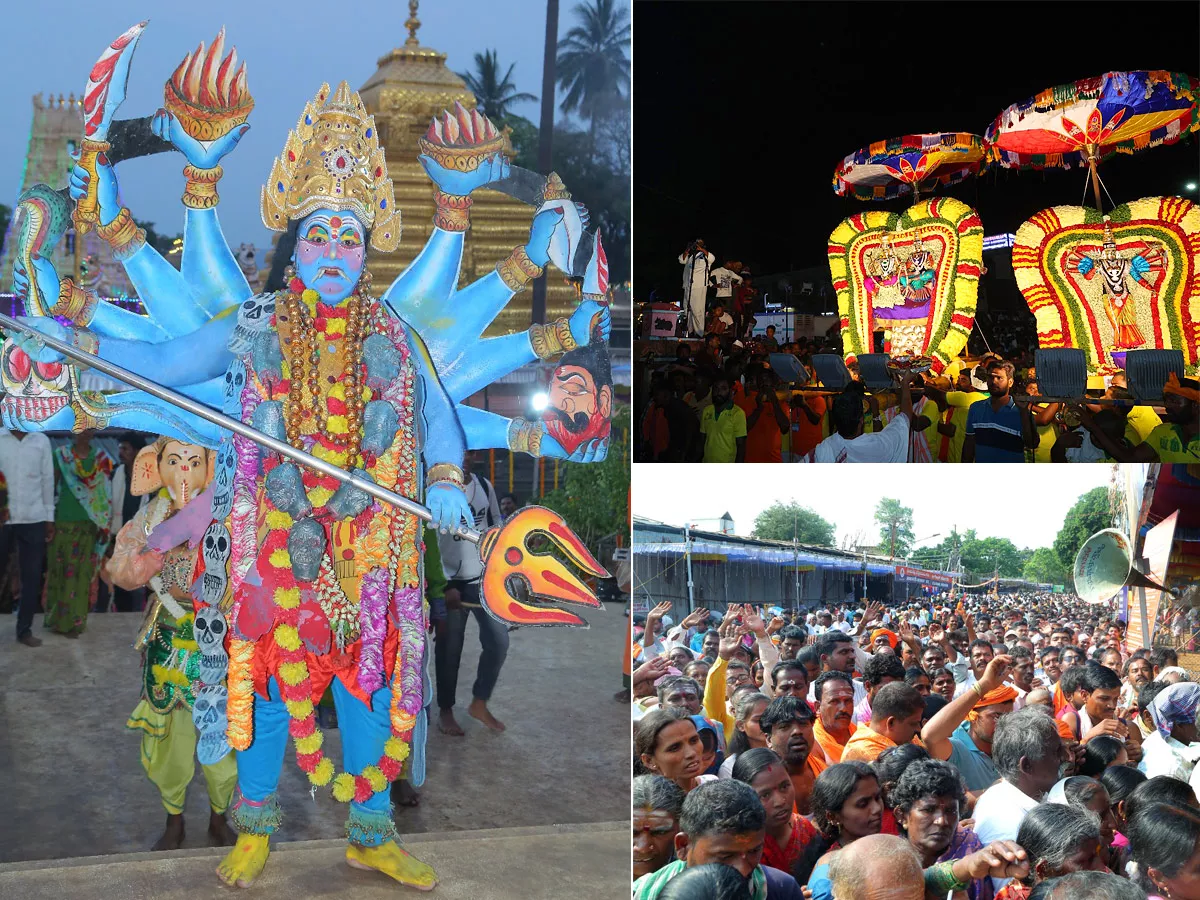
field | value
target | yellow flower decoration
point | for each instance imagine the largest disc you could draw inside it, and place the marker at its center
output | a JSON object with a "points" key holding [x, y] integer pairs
{"points": [[299, 709], [287, 637], [322, 774], [279, 521], [281, 559], [396, 749], [287, 598], [375, 778], [319, 496], [293, 673], [310, 744], [343, 788]]}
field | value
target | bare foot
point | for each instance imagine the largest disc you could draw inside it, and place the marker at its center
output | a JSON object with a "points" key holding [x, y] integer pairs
{"points": [[219, 832], [447, 724], [244, 863], [393, 862], [172, 836], [479, 710], [404, 794]]}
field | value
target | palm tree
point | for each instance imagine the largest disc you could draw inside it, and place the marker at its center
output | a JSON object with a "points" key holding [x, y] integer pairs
{"points": [[493, 95], [592, 66]]}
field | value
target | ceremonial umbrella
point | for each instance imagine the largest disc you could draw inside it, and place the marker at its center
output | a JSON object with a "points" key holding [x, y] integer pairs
{"points": [[909, 164], [1085, 122]]}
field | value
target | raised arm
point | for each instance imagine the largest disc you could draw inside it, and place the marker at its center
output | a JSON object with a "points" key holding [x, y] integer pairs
{"points": [[936, 733], [445, 445]]}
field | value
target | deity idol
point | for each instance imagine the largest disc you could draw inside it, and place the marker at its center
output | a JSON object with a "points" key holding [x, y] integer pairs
{"points": [[318, 584]]}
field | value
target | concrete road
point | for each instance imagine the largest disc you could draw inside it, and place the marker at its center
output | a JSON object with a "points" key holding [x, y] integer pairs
{"points": [[72, 784]]}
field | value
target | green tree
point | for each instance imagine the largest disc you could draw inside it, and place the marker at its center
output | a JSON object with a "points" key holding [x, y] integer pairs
{"points": [[493, 94], [1045, 567], [791, 521], [594, 497], [1091, 513], [895, 527], [592, 64]]}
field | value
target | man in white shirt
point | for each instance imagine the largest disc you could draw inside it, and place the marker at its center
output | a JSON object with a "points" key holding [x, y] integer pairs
{"points": [[463, 568], [1028, 753], [28, 468], [848, 443], [725, 279], [696, 263]]}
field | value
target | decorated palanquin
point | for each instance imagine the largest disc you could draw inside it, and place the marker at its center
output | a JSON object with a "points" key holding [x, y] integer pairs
{"points": [[912, 275], [1109, 284]]}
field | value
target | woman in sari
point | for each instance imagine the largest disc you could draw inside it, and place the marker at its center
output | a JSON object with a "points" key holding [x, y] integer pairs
{"points": [[82, 518], [927, 802]]}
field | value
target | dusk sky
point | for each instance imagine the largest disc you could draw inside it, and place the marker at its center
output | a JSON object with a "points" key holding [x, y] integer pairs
{"points": [[289, 48]]}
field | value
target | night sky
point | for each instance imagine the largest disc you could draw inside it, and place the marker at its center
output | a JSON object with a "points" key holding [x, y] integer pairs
{"points": [[742, 111]]}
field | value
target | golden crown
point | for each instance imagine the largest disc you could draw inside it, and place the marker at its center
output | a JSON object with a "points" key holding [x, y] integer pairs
{"points": [[333, 161]]}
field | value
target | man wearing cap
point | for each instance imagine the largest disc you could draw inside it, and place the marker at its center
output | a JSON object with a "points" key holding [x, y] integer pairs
{"points": [[968, 744]]}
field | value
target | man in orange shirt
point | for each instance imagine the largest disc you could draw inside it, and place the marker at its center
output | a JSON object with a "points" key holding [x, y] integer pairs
{"points": [[765, 419], [895, 719], [808, 423], [835, 713], [788, 726]]}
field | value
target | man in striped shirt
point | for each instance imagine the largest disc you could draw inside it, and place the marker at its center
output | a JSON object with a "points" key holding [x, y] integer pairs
{"points": [[998, 430]]}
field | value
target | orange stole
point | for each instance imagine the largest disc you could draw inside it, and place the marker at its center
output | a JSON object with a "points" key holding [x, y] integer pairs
{"points": [[833, 750]]}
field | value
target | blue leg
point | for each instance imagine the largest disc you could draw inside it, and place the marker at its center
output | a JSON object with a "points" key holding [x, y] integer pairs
{"points": [[255, 807], [164, 292], [364, 732]]}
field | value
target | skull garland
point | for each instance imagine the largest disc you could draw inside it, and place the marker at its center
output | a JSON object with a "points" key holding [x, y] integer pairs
{"points": [[211, 719], [235, 381], [210, 629], [223, 472], [215, 548]]}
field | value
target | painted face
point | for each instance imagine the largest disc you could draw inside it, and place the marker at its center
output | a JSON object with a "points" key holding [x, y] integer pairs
{"points": [[184, 471], [684, 698], [330, 253], [653, 840], [578, 412], [792, 682]]}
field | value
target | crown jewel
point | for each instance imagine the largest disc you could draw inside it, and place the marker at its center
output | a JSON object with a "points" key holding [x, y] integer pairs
{"points": [[333, 161]]}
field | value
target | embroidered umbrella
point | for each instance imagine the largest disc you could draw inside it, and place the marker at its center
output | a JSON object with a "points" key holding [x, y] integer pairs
{"points": [[1083, 123], [913, 164]]}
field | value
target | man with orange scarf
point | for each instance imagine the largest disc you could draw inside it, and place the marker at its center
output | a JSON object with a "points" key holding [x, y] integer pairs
{"points": [[963, 730], [895, 719]]}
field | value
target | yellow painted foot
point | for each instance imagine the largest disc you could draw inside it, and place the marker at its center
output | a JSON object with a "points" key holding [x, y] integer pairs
{"points": [[394, 863], [244, 863]]}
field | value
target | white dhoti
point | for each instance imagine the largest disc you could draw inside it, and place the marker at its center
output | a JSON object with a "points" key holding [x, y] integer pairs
{"points": [[695, 288]]}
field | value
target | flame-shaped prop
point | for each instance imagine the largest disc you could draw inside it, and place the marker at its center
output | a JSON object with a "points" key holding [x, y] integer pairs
{"points": [[461, 140], [208, 93], [508, 562]]}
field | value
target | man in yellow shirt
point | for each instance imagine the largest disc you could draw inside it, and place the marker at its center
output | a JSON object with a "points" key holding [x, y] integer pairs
{"points": [[723, 425], [954, 418], [1141, 420], [1176, 440]]}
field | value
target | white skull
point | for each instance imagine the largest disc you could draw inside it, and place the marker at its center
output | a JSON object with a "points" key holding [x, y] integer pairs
{"points": [[210, 630], [211, 719], [215, 550], [223, 471], [258, 307], [235, 380]]}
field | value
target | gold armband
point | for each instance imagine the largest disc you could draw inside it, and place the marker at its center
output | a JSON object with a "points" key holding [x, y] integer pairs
{"points": [[445, 473], [74, 303], [123, 235], [451, 213], [201, 189], [552, 339], [525, 437], [518, 270]]}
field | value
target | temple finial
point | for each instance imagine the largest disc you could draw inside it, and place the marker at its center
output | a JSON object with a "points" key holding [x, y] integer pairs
{"points": [[412, 25]]}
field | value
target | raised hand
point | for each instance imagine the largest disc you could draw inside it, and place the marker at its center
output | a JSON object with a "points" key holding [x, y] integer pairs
{"points": [[460, 184], [47, 280], [754, 622], [200, 154], [656, 614], [999, 859], [107, 192], [540, 234], [695, 618], [587, 318], [937, 633], [731, 636], [449, 506], [651, 670], [993, 675]]}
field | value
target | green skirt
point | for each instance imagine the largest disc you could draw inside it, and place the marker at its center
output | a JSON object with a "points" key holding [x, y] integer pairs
{"points": [[72, 576]]}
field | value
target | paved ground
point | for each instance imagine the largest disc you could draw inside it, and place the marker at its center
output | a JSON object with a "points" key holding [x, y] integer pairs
{"points": [[72, 785], [543, 863]]}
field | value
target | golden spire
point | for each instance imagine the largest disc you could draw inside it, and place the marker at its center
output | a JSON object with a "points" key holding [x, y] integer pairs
{"points": [[412, 25]]}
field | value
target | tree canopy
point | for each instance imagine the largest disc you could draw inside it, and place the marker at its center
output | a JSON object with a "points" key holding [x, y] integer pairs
{"points": [[791, 521]]}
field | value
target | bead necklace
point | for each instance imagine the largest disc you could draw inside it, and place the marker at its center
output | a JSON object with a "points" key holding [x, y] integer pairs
{"points": [[304, 361]]}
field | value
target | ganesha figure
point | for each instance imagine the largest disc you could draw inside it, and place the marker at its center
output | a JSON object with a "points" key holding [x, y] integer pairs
{"points": [[321, 585], [172, 637]]}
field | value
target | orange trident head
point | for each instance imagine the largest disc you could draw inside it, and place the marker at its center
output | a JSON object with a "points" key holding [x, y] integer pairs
{"points": [[507, 561]]}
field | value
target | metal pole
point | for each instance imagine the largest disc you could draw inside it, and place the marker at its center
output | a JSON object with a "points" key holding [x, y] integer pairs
{"points": [[546, 135], [1145, 624], [687, 550], [221, 420]]}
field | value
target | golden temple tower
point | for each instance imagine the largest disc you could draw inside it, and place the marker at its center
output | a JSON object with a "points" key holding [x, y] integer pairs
{"points": [[411, 86]]}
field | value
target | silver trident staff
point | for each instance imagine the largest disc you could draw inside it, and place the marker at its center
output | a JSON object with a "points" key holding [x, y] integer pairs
{"points": [[221, 420]]}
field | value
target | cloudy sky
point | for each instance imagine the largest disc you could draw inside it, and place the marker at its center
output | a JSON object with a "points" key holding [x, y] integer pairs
{"points": [[1025, 504]]}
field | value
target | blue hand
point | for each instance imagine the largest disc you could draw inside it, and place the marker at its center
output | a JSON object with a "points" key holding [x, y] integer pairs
{"points": [[36, 350], [460, 184], [202, 155], [540, 233], [107, 190], [449, 506], [582, 324], [591, 451]]}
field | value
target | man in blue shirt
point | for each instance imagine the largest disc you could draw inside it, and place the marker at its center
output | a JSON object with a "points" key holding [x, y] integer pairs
{"points": [[998, 430]]}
